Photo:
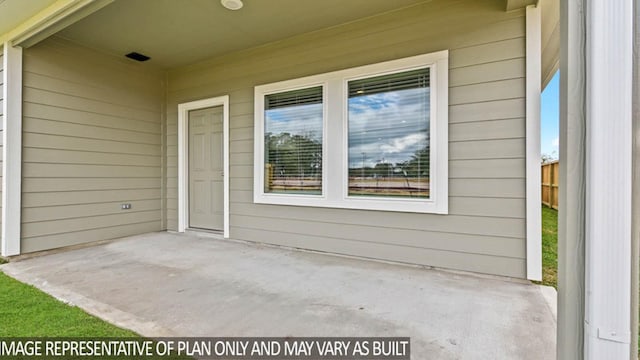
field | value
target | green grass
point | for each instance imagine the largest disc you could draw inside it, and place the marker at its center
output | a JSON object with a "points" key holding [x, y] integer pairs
{"points": [[549, 247], [28, 312]]}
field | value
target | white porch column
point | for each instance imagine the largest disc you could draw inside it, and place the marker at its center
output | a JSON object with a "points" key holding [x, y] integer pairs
{"points": [[609, 69], [571, 261], [11, 150], [534, 90], [595, 223], [635, 212]]}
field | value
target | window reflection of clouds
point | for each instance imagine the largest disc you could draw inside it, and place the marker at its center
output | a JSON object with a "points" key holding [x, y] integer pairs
{"points": [[388, 127], [304, 120]]}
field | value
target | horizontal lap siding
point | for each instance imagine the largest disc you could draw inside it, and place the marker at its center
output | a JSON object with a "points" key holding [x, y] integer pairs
{"points": [[92, 132], [485, 228]]}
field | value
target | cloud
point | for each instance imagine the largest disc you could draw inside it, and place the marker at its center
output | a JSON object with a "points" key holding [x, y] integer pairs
{"points": [[387, 127], [555, 142], [305, 120], [398, 145]]}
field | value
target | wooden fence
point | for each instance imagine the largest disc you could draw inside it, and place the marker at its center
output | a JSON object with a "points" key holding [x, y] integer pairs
{"points": [[550, 172]]}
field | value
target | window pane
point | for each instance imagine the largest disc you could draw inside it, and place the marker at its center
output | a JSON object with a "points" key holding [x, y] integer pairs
{"points": [[293, 142], [389, 135]]}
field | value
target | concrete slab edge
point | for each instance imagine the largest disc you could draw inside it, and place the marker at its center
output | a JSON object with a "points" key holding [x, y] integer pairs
{"points": [[466, 273], [98, 309], [63, 249], [217, 236]]}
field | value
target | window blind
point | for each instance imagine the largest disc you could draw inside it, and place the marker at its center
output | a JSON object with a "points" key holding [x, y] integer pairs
{"points": [[388, 124], [293, 141], [294, 98], [387, 83]]}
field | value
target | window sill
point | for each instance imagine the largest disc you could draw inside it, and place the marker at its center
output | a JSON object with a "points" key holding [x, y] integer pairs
{"points": [[392, 205]]}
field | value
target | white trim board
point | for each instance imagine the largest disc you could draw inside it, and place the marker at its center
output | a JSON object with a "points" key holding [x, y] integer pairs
{"points": [[533, 93], [12, 150], [183, 155], [50, 20], [609, 99]]}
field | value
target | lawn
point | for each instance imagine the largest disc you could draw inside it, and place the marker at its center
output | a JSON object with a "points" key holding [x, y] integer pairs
{"points": [[549, 247], [28, 312]]}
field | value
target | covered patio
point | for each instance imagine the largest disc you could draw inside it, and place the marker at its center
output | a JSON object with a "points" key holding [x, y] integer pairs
{"points": [[71, 178], [168, 284]]}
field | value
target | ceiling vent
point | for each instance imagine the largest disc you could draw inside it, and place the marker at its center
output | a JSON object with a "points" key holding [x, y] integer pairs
{"points": [[137, 56]]}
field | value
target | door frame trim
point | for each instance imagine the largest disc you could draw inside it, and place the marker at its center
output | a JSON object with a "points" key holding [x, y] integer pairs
{"points": [[183, 156]]}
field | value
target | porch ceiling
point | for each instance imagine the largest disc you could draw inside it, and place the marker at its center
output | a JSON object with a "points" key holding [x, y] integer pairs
{"points": [[13, 13], [175, 33]]}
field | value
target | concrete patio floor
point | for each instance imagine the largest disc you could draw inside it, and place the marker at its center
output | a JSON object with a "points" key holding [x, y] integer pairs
{"points": [[165, 284]]}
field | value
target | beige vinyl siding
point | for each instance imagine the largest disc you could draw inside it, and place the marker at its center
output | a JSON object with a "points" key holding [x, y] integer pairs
{"points": [[1, 125], [485, 228], [92, 128]]}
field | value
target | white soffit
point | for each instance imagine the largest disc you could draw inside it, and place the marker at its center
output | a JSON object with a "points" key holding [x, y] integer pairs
{"points": [[15, 12], [176, 33]]}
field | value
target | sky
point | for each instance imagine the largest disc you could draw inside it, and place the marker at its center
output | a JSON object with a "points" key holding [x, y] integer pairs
{"points": [[549, 132]]}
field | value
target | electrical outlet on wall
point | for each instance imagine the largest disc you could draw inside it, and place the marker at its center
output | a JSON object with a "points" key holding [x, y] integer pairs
{"points": [[126, 206]]}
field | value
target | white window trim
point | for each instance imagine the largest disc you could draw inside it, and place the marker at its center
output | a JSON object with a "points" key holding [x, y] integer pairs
{"points": [[183, 156], [334, 179], [286, 199]]}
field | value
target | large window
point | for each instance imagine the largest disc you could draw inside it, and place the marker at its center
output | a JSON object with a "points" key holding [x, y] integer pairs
{"points": [[293, 142], [372, 137], [389, 135]]}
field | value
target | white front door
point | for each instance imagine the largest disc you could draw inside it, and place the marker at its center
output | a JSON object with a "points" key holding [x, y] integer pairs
{"points": [[206, 190]]}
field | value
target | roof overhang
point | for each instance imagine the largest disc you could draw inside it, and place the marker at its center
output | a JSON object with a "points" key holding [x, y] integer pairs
{"points": [[179, 33], [40, 22], [550, 39], [113, 25]]}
